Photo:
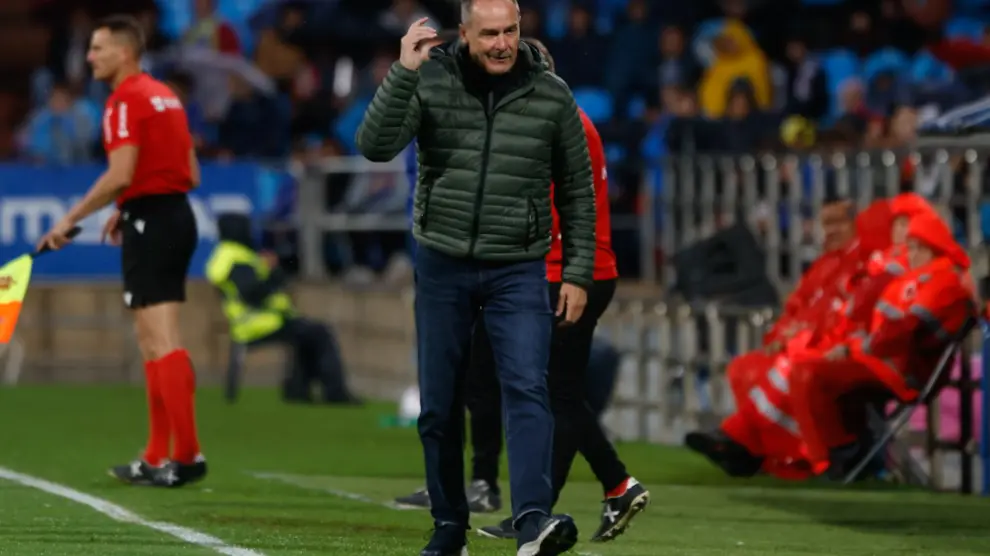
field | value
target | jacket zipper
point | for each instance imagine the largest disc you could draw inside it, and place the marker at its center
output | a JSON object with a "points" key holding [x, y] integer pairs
{"points": [[426, 208], [490, 124], [533, 224]]}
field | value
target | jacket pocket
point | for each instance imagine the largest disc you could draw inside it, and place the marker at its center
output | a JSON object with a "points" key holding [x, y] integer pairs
{"points": [[426, 208], [532, 222]]}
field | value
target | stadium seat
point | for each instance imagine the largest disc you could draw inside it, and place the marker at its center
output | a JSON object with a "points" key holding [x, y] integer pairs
{"points": [[886, 60], [926, 68], [985, 220], [346, 126], [637, 107], [702, 42], [557, 18], [614, 154], [964, 27], [839, 65], [598, 104]]}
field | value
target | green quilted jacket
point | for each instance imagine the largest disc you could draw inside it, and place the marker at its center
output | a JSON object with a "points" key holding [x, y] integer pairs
{"points": [[486, 163]]}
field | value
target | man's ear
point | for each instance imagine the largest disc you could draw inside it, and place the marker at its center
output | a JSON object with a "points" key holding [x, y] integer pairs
{"points": [[462, 32]]}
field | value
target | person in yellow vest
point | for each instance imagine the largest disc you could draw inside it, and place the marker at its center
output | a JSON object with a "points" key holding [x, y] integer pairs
{"points": [[261, 313]]}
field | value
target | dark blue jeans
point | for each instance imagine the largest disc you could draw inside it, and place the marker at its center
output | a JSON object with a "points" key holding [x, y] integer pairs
{"points": [[449, 292]]}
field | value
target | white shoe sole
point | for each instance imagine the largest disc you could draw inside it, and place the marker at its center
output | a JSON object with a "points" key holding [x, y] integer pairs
{"points": [[638, 505], [535, 547]]}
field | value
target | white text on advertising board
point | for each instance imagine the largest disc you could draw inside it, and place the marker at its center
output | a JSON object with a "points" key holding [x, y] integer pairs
{"points": [[25, 219]]}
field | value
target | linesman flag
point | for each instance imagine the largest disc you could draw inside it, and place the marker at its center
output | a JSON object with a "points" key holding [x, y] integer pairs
{"points": [[14, 279]]}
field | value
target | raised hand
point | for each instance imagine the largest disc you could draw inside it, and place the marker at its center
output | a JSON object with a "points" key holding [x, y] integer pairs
{"points": [[416, 45]]}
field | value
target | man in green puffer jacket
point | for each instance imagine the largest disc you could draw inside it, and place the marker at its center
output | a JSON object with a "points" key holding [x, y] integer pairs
{"points": [[494, 128]]}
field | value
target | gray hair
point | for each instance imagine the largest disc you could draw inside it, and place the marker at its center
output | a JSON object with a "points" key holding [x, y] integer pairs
{"points": [[466, 6]]}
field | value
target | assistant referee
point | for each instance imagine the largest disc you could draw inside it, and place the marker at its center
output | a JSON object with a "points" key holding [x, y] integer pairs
{"points": [[152, 166]]}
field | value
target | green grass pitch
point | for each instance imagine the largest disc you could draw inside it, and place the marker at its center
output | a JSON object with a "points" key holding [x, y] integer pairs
{"points": [[287, 480]]}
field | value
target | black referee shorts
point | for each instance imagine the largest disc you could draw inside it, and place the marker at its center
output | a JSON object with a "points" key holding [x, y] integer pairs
{"points": [[159, 237]]}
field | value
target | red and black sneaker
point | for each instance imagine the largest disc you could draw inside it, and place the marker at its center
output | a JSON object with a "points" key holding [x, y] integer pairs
{"points": [[620, 507]]}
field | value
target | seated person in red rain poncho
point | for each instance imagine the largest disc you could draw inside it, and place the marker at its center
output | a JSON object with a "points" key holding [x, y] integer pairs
{"points": [[807, 301], [912, 323], [763, 435]]}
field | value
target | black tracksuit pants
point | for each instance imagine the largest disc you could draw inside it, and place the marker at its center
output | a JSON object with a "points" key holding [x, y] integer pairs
{"points": [[576, 425]]}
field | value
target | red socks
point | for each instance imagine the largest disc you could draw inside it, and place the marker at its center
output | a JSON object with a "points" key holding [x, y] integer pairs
{"points": [[177, 382], [619, 490], [159, 430]]}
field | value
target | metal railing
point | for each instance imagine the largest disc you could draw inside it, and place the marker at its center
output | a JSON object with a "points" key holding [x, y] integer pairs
{"points": [[777, 196], [675, 354]]}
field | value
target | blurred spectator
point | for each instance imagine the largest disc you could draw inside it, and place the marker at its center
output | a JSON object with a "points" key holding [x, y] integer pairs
{"points": [[737, 57], [150, 19], [68, 47], [209, 36], [280, 53], [62, 132], [210, 31], [807, 88], [346, 125], [531, 24], [402, 15], [862, 36], [256, 125], [580, 57], [744, 128], [689, 132], [203, 132], [631, 50], [678, 67], [854, 115]]}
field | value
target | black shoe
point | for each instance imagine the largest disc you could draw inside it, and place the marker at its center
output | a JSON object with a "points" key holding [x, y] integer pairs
{"points": [[174, 474], [482, 498], [137, 472], [731, 456], [546, 536], [503, 530], [618, 511], [843, 459], [447, 540], [415, 501]]}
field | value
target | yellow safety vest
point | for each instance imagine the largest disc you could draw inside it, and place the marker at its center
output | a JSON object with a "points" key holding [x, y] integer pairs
{"points": [[247, 323]]}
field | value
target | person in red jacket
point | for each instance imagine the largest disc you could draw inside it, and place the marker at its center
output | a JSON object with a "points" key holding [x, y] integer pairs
{"points": [[914, 319], [762, 435], [812, 296]]}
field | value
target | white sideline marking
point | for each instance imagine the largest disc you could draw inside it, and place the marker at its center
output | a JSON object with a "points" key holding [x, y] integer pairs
{"points": [[298, 482], [124, 515]]}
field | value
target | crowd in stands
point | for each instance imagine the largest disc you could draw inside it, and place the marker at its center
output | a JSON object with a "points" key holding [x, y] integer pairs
{"points": [[276, 79]]}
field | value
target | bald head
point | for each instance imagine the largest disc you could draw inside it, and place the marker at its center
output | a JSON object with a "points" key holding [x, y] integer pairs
{"points": [[469, 6]]}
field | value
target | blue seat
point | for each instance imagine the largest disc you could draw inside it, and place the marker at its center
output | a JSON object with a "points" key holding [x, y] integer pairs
{"points": [[886, 60], [926, 68], [637, 107], [838, 65], [701, 44], [596, 103], [614, 154], [964, 28], [985, 220]]}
